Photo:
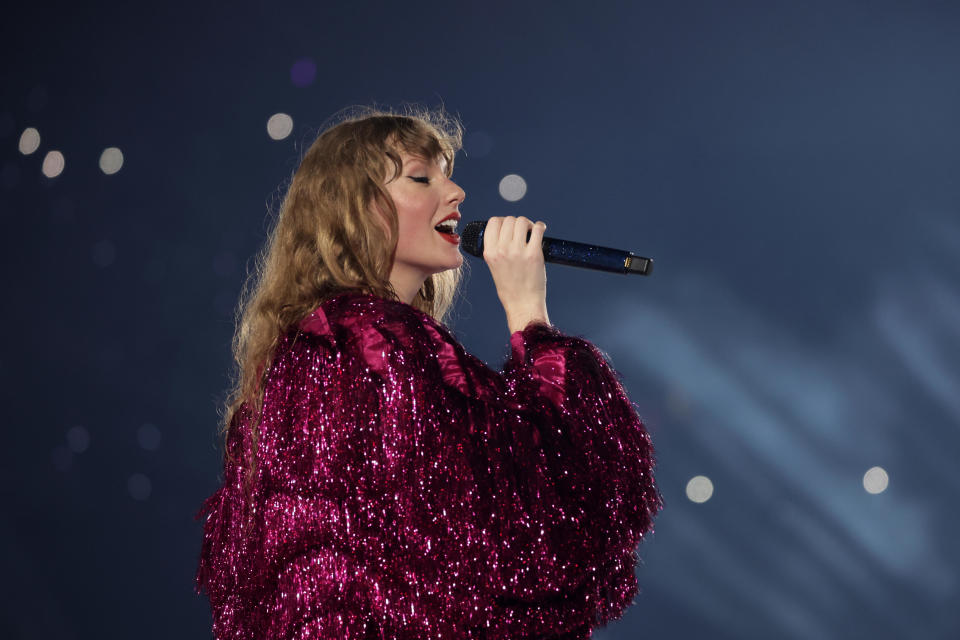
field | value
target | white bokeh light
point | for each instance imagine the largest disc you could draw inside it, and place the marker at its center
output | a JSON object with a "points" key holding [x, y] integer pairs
{"points": [[29, 141], [512, 187], [53, 164], [876, 480], [699, 489], [111, 160], [279, 126]]}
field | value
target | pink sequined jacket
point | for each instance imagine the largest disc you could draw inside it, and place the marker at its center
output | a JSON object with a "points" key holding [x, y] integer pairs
{"points": [[406, 490]]}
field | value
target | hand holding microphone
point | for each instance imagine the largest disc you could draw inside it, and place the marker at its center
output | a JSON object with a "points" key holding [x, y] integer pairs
{"points": [[515, 249], [574, 254], [511, 247]]}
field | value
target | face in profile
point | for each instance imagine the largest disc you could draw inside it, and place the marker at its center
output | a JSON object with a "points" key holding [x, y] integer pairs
{"points": [[424, 197]]}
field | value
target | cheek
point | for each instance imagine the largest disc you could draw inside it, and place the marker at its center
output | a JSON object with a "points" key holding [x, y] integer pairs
{"points": [[414, 214], [411, 231]]}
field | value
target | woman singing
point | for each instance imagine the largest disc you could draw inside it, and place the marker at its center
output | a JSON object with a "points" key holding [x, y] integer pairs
{"points": [[380, 481]]}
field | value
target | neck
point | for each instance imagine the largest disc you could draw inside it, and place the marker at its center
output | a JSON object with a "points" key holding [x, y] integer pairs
{"points": [[406, 284]]}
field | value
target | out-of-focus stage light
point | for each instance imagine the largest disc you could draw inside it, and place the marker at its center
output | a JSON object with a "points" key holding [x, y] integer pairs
{"points": [[111, 160], [876, 480], [139, 486], [699, 489], [29, 141], [148, 435], [303, 72], [279, 126], [512, 187], [53, 164], [78, 439]]}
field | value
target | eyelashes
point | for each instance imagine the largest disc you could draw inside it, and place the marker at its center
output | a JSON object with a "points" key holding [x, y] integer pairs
{"points": [[420, 179]]}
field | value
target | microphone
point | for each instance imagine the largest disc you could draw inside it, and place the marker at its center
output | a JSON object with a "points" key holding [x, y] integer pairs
{"points": [[574, 254]]}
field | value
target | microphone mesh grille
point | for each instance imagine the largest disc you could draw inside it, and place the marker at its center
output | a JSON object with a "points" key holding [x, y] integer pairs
{"points": [[471, 239]]}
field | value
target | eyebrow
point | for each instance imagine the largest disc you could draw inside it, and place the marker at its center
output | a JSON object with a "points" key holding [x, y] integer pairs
{"points": [[442, 163]]}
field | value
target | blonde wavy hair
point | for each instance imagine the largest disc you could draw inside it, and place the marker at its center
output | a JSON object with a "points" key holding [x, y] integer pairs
{"points": [[327, 239]]}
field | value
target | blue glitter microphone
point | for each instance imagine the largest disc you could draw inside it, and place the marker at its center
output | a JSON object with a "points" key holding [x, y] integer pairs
{"points": [[574, 254]]}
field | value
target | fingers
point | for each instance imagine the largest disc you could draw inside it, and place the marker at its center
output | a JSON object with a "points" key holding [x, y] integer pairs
{"points": [[506, 232], [510, 233], [517, 267], [520, 228], [536, 236], [491, 232]]}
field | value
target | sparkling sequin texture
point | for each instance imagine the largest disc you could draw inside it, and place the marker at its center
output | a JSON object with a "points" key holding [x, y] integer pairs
{"points": [[404, 489]]}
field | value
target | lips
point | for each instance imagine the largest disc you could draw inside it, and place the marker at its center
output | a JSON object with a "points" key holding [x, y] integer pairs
{"points": [[448, 228], [449, 224], [450, 237], [453, 216]]}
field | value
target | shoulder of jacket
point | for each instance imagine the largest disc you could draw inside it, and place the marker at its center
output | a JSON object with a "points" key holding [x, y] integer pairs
{"points": [[351, 309]]}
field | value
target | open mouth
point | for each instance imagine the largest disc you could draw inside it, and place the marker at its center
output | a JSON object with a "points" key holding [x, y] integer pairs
{"points": [[447, 227]]}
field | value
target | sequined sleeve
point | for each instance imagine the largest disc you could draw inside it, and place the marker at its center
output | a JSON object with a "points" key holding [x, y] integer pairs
{"points": [[406, 490], [585, 492]]}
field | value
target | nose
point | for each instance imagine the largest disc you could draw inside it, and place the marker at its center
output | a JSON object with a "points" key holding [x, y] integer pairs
{"points": [[457, 194]]}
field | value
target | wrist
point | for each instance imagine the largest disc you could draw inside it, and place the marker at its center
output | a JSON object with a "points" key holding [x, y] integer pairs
{"points": [[518, 321]]}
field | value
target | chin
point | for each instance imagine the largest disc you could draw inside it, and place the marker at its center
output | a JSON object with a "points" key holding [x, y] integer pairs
{"points": [[445, 270], [455, 264], [450, 266]]}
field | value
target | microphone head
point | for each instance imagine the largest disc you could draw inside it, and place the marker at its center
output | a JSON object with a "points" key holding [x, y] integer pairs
{"points": [[471, 238]]}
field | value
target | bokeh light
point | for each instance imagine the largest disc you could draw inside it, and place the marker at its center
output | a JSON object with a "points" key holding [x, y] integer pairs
{"points": [[279, 126], [699, 489], [139, 486], [111, 160], [303, 72], [53, 164], [513, 187], [29, 141], [148, 435], [78, 439], [876, 480]]}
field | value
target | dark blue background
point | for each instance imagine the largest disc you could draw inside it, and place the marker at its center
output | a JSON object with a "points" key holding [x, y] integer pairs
{"points": [[792, 167]]}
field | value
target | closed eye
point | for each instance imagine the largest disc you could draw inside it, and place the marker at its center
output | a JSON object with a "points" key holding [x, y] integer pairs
{"points": [[422, 179]]}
